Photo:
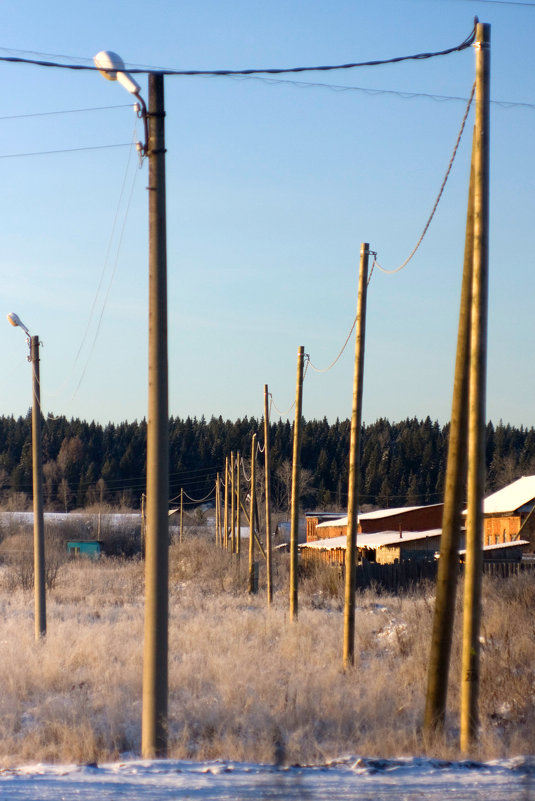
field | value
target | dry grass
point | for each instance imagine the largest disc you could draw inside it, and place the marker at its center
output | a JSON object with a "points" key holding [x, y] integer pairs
{"points": [[244, 682]]}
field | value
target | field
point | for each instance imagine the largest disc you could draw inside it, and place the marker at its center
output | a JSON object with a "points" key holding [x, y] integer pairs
{"points": [[245, 684]]}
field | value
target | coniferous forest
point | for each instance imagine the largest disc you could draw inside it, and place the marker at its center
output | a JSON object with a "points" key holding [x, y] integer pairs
{"points": [[401, 464]]}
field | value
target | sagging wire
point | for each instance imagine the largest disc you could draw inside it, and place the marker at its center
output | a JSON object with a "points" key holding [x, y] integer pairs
{"points": [[114, 270], [199, 500], [274, 405], [262, 71], [437, 201], [247, 480], [326, 369]]}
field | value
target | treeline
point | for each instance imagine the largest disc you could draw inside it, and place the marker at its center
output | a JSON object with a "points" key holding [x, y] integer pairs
{"points": [[402, 463]]}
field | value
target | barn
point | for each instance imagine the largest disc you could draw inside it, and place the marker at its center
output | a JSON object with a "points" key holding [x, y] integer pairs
{"points": [[399, 519]]}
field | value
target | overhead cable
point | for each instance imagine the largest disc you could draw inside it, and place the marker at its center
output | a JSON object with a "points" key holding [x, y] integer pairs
{"points": [[260, 71], [437, 201], [64, 150], [63, 111]]}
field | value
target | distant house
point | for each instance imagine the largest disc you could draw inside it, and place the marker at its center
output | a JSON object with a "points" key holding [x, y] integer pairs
{"points": [[508, 514], [400, 519]]}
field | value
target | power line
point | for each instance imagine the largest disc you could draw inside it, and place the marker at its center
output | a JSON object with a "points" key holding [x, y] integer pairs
{"points": [[257, 70], [64, 111], [64, 150], [404, 95], [437, 201]]}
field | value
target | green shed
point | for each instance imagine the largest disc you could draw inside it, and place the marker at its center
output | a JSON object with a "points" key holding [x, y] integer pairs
{"points": [[90, 548]]}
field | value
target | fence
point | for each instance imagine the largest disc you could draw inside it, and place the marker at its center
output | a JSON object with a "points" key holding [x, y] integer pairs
{"points": [[404, 575]]}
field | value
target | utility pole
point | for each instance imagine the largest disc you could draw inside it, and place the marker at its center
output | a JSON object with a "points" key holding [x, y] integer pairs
{"points": [[38, 517], [267, 480], [448, 569], [225, 520], [238, 505], [155, 656], [354, 463], [251, 515], [477, 395], [232, 504], [143, 525], [181, 514], [217, 511], [296, 471]]}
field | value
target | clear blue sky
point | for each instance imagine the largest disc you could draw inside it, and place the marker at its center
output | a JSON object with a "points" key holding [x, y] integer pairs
{"points": [[271, 188]]}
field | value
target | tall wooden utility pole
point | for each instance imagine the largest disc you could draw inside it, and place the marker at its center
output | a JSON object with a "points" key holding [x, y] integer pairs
{"points": [[296, 471], [252, 497], [238, 505], [448, 566], [354, 463], [477, 395], [232, 504], [225, 516], [155, 655], [217, 512], [267, 480], [38, 517], [143, 525], [181, 514]]}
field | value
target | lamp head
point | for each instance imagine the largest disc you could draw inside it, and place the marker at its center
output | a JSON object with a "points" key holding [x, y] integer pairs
{"points": [[111, 66], [15, 320]]}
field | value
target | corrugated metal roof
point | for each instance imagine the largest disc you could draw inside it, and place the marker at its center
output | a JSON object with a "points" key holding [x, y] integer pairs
{"points": [[375, 540], [510, 498]]}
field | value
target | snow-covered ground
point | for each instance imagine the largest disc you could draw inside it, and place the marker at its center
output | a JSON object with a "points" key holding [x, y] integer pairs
{"points": [[351, 778]]}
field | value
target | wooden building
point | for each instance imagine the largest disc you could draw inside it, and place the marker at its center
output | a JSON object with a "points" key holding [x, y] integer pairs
{"points": [[383, 547], [400, 519], [388, 547], [508, 514]]}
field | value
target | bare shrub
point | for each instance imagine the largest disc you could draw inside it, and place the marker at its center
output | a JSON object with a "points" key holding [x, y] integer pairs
{"points": [[17, 554]]}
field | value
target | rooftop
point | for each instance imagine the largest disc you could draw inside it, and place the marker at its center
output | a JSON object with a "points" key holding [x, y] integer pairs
{"points": [[375, 540], [512, 497], [378, 514]]}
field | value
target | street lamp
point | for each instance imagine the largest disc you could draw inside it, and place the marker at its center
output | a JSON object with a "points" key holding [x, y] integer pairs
{"points": [[155, 654], [37, 469]]}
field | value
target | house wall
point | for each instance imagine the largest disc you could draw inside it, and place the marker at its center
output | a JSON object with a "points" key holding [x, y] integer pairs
{"points": [[334, 556], [326, 533], [501, 529]]}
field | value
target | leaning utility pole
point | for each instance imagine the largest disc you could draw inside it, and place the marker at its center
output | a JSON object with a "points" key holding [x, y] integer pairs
{"points": [[155, 655], [38, 517], [448, 565], [296, 470], [477, 395], [267, 480], [354, 463]]}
